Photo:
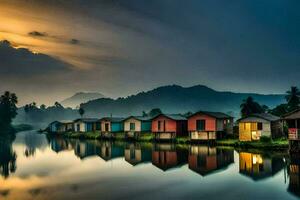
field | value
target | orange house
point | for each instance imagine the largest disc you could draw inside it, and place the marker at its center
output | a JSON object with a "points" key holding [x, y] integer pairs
{"points": [[205, 125], [169, 126]]}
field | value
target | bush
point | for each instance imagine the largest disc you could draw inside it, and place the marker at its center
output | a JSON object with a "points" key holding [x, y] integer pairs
{"points": [[265, 139]]}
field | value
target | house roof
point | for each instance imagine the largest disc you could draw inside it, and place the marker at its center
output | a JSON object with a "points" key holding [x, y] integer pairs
{"points": [[113, 119], [218, 115], [292, 115], [265, 116], [176, 117], [86, 120], [140, 118]]}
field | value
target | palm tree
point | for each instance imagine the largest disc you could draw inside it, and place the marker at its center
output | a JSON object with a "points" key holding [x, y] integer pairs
{"points": [[293, 98], [81, 112], [249, 106], [8, 108]]}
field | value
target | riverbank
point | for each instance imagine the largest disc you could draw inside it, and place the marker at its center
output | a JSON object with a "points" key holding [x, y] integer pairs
{"points": [[279, 144]]}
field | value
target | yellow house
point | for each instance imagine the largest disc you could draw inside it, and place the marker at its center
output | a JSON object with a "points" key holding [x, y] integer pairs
{"points": [[255, 126]]}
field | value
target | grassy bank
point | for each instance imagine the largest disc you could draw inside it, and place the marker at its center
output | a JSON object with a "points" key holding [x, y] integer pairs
{"points": [[274, 144], [148, 137]]}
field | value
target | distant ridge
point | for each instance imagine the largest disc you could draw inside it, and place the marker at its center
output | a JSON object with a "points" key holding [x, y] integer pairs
{"points": [[81, 97], [177, 99]]}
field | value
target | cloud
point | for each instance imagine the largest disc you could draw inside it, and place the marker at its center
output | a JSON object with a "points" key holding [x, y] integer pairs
{"points": [[37, 34], [20, 62]]}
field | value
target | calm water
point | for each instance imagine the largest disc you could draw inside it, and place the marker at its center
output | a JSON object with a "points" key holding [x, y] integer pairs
{"points": [[36, 167]]}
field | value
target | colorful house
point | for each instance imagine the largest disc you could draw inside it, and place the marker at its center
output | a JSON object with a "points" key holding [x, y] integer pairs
{"points": [[135, 125], [206, 160], [61, 126], [86, 125], [205, 125], [110, 126], [167, 127], [292, 120], [257, 125]]}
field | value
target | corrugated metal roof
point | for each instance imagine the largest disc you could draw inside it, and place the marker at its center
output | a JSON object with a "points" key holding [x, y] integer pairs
{"points": [[218, 115], [86, 120], [292, 115], [172, 116], [141, 118], [265, 116], [113, 119]]}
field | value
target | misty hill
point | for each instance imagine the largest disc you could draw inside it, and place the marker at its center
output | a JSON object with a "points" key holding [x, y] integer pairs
{"points": [[81, 97], [177, 99]]}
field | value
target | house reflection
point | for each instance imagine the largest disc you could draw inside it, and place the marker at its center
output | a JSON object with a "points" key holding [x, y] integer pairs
{"points": [[294, 175], [258, 167], [110, 150], [206, 160], [135, 154], [59, 144], [84, 149], [166, 156]]}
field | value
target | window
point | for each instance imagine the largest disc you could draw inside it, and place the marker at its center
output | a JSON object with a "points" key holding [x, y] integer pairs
{"points": [[200, 125], [132, 126], [259, 126], [159, 125]]}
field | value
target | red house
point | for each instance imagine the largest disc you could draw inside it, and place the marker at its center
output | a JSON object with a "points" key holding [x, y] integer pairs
{"points": [[205, 125], [166, 127]]}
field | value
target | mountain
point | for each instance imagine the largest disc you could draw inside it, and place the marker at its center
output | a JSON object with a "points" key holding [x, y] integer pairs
{"points": [[81, 97], [177, 99]]}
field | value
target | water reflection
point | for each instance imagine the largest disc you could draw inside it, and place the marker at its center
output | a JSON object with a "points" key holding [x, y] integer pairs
{"points": [[167, 156], [259, 166], [8, 157], [294, 175], [205, 160], [136, 153], [87, 169]]}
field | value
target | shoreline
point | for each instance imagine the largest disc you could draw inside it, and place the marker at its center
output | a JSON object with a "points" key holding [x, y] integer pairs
{"points": [[278, 145]]}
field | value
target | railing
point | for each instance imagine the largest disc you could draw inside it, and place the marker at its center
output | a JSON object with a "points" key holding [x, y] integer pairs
{"points": [[293, 134]]}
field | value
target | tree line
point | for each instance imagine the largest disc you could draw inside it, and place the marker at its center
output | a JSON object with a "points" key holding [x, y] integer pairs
{"points": [[249, 106]]}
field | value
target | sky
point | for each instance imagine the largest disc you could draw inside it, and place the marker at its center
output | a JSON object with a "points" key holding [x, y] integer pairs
{"points": [[51, 49]]}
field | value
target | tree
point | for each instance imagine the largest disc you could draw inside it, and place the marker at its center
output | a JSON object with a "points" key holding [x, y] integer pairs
{"points": [[58, 105], [154, 112], [144, 114], [293, 98], [43, 107], [81, 111], [249, 106], [280, 110], [8, 108]]}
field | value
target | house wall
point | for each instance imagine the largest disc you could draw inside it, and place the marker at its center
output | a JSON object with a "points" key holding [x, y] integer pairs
{"points": [[171, 125], [53, 127], [82, 127], [103, 122], [117, 127], [248, 127], [138, 125], [210, 122], [146, 126]]}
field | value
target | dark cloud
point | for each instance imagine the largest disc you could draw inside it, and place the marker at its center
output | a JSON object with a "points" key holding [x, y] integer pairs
{"points": [[22, 62], [37, 34]]}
